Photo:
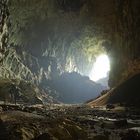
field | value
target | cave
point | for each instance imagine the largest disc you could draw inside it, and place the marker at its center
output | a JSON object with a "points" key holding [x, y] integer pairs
{"points": [[69, 69]]}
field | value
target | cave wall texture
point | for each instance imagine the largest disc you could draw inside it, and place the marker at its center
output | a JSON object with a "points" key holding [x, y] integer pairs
{"points": [[126, 51], [41, 39], [4, 13]]}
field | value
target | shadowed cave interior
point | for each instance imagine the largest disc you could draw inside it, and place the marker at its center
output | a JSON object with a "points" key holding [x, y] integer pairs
{"points": [[69, 69]]}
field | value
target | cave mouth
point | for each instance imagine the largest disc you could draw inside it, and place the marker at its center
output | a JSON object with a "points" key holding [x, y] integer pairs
{"points": [[57, 46], [100, 69]]}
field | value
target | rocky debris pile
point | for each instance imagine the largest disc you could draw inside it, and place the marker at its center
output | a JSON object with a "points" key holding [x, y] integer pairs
{"points": [[21, 125], [22, 92], [70, 122]]}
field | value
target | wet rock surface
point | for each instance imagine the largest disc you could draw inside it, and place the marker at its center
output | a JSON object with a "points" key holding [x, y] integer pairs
{"points": [[68, 122]]}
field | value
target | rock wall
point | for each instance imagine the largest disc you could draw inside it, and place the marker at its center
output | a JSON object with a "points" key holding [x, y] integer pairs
{"points": [[61, 43], [126, 51], [4, 13], [15, 67], [14, 64]]}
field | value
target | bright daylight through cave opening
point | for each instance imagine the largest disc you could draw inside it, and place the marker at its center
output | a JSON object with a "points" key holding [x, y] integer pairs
{"points": [[100, 68]]}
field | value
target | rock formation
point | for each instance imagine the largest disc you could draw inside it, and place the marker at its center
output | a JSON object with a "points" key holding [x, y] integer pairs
{"points": [[45, 44], [40, 40]]}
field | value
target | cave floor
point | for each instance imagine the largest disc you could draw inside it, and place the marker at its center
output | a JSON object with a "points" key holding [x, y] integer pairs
{"points": [[68, 122]]}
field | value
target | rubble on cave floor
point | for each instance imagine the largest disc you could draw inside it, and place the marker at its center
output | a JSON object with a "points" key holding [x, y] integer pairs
{"points": [[67, 122]]}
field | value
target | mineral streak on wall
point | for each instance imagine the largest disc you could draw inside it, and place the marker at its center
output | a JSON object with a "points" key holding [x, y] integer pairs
{"points": [[4, 13]]}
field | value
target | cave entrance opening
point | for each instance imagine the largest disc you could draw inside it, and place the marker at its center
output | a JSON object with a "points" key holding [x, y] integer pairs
{"points": [[100, 70]]}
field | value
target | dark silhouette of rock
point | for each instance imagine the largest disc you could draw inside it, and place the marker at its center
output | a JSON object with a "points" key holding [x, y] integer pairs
{"points": [[3, 132], [131, 135], [44, 136], [127, 93], [110, 106], [121, 123], [75, 88]]}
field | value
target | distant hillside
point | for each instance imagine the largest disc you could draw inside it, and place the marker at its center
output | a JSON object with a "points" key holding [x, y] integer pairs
{"points": [[75, 88], [127, 93]]}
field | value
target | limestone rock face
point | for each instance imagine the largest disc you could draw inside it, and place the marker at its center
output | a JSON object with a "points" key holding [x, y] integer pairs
{"points": [[4, 13], [13, 67], [125, 41], [39, 44], [111, 24]]}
